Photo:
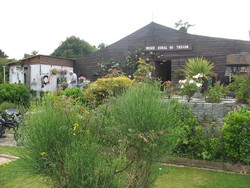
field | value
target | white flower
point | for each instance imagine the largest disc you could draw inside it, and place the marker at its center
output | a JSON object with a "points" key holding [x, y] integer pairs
{"points": [[159, 168], [182, 81], [196, 76], [191, 81], [182, 86], [198, 84], [199, 75]]}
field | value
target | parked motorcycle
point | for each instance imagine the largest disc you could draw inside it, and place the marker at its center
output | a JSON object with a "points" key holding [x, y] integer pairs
{"points": [[10, 119]]}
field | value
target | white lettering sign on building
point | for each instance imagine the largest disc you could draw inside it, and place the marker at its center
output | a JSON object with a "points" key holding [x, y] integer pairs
{"points": [[170, 47]]}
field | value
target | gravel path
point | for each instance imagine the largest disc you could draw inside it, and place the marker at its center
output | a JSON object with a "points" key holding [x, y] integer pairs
{"points": [[7, 140]]}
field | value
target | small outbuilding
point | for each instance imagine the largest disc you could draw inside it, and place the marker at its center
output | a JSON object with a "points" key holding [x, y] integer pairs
{"points": [[40, 73], [167, 48]]}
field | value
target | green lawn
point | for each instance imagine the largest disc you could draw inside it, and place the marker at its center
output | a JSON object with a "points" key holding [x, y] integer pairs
{"points": [[12, 176], [185, 177]]}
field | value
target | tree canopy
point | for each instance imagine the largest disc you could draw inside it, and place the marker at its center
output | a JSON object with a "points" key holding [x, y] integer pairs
{"points": [[4, 70], [2, 54], [73, 47], [102, 46], [33, 53], [183, 26]]}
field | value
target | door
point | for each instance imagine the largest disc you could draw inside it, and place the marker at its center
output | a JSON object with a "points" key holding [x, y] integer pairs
{"points": [[163, 70]]}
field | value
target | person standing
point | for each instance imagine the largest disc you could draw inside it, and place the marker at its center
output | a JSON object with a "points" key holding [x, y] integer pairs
{"points": [[73, 79]]}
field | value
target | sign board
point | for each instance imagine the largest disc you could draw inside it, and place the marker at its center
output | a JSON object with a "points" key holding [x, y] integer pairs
{"points": [[170, 47]]}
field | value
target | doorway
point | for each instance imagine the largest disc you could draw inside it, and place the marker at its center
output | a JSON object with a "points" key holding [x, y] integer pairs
{"points": [[163, 70]]}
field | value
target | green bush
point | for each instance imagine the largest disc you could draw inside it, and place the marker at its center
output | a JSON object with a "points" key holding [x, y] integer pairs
{"points": [[63, 144], [6, 105], [236, 136], [191, 142], [215, 93], [148, 130], [198, 141], [103, 88], [75, 93], [14, 93], [241, 87], [143, 72]]}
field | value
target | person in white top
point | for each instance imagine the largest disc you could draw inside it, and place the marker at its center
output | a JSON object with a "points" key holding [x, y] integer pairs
{"points": [[73, 79]]}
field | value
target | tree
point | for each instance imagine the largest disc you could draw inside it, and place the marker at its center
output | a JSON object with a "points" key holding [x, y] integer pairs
{"points": [[102, 46], [183, 26], [73, 47], [33, 53], [2, 54], [4, 70]]}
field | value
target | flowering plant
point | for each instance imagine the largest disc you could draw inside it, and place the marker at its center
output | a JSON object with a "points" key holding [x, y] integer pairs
{"points": [[53, 71], [167, 88], [83, 81], [58, 71], [190, 86]]}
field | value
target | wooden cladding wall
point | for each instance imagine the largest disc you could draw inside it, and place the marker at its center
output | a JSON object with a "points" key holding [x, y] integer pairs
{"points": [[154, 36]]}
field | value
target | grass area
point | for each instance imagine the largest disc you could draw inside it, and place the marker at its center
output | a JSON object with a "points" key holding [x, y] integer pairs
{"points": [[9, 150], [12, 176], [185, 177]]}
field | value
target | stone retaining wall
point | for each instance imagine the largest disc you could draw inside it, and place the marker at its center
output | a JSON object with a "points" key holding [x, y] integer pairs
{"points": [[211, 111]]}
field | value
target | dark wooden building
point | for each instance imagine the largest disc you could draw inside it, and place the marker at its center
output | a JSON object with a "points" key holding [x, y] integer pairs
{"points": [[172, 49]]}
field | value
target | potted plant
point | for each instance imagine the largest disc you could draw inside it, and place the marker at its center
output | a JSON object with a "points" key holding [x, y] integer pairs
{"points": [[53, 71]]}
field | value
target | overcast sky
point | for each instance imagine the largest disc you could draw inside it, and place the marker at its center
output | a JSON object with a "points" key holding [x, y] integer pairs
{"points": [[41, 25]]}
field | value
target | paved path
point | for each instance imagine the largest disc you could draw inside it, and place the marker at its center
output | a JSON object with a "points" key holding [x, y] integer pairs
{"points": [[7, 140]]}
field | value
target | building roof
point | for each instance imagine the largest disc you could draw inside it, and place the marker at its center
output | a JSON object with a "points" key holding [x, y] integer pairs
{"points": [[155, 34], [32, 57]]}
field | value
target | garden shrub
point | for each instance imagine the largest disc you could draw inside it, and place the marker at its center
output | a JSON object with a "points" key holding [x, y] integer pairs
{"points": [[103, 88], [14, 93], [63, 144], [215, 93], [75, 93], [189, 87], [241, 87], [143, 72], [197, 141], [148, 130], [236, 136], [6, 105], [191, 142]]}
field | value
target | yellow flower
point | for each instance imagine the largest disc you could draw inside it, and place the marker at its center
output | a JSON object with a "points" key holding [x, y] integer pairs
{"points": [[43, 154], [75, 126], [5, 164]]}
